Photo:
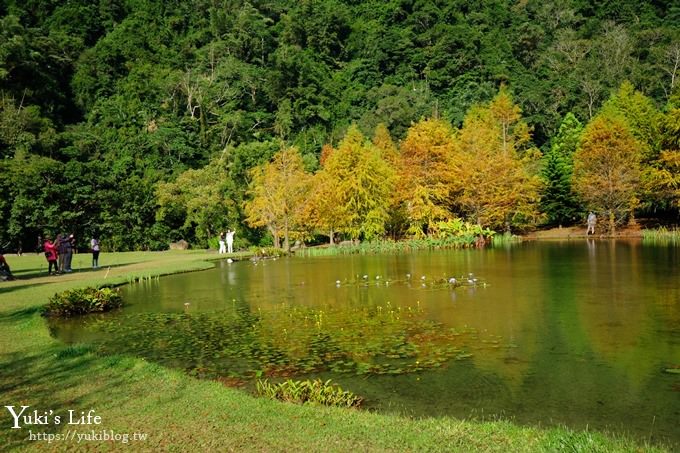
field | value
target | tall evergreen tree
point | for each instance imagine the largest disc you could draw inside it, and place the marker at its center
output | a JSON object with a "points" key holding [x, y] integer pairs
{"points": [[558, 200]]}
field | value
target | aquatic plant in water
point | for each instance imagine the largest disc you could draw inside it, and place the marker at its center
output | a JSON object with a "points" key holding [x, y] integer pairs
{"points": [[82, 301], [300, 392], [424, 282], [388, 246], [661, 236], [505, 239], [287, 340]]}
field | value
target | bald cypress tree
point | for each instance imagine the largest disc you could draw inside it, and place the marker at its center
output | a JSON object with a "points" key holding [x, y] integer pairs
{"points": [[607, 169]]}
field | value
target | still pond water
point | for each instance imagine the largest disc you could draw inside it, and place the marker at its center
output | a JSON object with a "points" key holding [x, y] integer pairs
{"points": [[583, 334]]}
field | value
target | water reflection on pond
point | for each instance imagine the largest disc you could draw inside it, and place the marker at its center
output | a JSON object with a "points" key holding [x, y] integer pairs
{"points": [[575, 333]]}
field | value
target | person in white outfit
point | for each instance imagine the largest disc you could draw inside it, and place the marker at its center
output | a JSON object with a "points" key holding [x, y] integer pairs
{"points": [[592, 221], [230, 241], [94, 246], [223, 246]]}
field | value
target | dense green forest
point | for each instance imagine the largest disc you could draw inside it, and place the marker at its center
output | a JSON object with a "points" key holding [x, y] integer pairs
{"points": [[147, 121]]}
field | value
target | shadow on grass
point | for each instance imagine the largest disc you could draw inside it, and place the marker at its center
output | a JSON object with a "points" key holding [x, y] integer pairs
{"points": [[30, 274], [19, 315], [7, 289], [60, 378]]}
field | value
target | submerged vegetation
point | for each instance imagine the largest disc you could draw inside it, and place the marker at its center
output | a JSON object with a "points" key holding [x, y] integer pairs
{"points": [[286, 341]]}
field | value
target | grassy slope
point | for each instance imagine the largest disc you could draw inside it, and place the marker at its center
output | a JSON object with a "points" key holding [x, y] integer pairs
{"points": [[180, 413]]}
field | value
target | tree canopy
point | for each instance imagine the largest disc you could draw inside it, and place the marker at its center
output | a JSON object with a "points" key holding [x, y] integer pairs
{"points": [[118, 116]]}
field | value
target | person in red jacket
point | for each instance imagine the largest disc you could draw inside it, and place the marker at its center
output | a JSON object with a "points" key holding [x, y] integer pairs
{"points": [[51, 255]]}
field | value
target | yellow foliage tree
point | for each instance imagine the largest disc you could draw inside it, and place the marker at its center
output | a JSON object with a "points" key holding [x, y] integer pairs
{"points": [[661, 179], [278, 191], [320, 212], [352, 190], [494, 173], [607, 168], [397, 223], [425, 174], [505, 115], [383, 141]]}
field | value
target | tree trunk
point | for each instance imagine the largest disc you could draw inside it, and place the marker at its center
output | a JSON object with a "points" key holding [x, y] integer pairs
{"points": [[275, 235], [286, 243], [330, 236]]}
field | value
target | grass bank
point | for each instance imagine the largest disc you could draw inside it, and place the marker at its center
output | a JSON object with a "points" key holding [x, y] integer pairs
{"points": [[180, 413]]}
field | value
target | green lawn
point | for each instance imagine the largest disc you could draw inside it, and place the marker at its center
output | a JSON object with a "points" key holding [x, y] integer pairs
{"points": [[180, 413]]}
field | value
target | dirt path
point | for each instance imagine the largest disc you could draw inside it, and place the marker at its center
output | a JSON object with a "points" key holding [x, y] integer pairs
{"points": [[579, 232]]}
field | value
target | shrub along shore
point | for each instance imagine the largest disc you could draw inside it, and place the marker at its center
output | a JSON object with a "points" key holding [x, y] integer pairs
{"points": [[179, 413]]}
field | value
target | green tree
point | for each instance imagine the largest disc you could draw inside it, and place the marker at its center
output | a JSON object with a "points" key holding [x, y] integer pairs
{"points": [[202, 200], [33, 184], [641, 115], [558, 200], [661, 179]]}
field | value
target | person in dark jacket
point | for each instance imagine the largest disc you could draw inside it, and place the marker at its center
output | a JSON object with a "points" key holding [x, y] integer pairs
{"points": [[59, 245], [5, 271], [70, 247]]}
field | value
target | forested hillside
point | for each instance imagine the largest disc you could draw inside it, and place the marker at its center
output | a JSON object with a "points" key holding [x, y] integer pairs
{"points": [[147, 121]]}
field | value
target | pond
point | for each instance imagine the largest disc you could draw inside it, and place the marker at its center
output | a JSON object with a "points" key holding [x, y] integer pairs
{"points": [[582, 333]]}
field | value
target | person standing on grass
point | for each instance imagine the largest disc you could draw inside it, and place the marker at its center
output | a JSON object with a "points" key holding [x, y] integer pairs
{"points": [[70, 247], [51, 254], [60, 245], [65, 252], [230, 241], [5, 271], [223, 246], [94, 246]]}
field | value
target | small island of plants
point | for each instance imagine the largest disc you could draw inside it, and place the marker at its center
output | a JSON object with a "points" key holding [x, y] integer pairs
{"points": [[82, 301]]}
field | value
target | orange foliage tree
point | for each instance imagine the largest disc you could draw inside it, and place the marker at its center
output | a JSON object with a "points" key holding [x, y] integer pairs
{"points": [[320, 213], [494, 167]]}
